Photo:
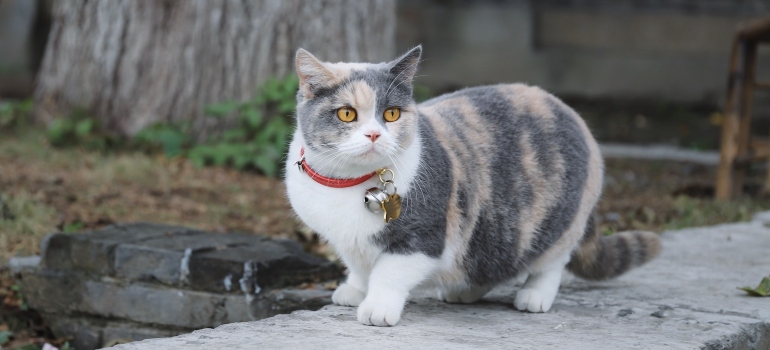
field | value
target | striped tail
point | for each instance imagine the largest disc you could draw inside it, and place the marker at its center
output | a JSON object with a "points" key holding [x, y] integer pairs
{"points": [[602, 257]]}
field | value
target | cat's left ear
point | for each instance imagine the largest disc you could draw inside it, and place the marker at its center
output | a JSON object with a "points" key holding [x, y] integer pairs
{"points": [[405, 66], [313, 74]]}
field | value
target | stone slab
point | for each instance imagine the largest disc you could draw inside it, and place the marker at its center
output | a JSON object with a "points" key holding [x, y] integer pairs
{"points": [[161, 258], [251, 268], [60, 293], [686, 299], [93, 332], [178, 256], [93, 252]]}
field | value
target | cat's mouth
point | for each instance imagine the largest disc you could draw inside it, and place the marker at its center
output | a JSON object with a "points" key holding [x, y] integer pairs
{"points": [[370, 152]]}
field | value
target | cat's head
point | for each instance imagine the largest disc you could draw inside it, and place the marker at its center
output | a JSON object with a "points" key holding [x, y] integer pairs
{"points": [[356, 117]]}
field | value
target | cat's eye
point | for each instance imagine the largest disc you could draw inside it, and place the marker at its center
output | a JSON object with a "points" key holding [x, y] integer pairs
{"points": [[392, 114], [347, 114]]}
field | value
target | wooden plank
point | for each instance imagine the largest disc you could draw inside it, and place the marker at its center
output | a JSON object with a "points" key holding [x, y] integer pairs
{"points": [[729, 146], [759, 143], [744, 133], [762, 85], [756, 30]]}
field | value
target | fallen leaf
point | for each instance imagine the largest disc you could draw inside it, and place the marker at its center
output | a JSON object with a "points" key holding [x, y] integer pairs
{"points": [[763, 290], [5, 337]]}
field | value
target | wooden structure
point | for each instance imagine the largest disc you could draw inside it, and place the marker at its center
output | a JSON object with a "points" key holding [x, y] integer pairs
{"points": [[738, 147]]}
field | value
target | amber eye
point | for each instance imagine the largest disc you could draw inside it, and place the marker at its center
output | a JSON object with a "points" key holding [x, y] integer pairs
{"points": [[346, 114], [392, 114]]}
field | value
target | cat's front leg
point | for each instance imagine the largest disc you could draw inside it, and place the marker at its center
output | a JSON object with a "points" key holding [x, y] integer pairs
{"points": [[391, 280], [353, 291]]}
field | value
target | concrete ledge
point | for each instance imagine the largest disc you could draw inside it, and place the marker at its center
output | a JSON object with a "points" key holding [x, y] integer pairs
{"points": [[686, 299]]}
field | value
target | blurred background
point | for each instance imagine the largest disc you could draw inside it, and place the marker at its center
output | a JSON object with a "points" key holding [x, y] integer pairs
{"points": [[179, 112]]}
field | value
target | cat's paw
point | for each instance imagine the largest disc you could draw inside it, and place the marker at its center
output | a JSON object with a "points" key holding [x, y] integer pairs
{"points": [[381, 311], [533, 300], [347, 295]]}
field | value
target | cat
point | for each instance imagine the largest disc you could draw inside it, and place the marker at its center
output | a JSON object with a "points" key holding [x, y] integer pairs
{"points": [[496, 181]]}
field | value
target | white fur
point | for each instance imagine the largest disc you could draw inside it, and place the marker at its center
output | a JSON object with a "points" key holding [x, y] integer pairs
{"points": [[339, 216], [541, 287], [390, 282]]}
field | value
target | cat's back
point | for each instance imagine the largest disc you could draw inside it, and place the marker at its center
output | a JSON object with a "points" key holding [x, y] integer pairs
{"points": [[488, 115], [491, 101]]}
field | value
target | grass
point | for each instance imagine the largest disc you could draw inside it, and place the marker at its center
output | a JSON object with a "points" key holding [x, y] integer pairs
{"points": [[665, 195], [24, 223], [702, 212]]}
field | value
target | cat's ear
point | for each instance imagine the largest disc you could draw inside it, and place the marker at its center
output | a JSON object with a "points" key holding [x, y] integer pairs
{"points": [[312, 73], [405, 66]]}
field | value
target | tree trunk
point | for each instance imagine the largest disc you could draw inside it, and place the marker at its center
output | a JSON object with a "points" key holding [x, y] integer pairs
{"points": [[131, 63]]}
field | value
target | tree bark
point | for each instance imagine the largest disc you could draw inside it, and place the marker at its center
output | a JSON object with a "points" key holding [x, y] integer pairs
{"points": [[131, 63]]}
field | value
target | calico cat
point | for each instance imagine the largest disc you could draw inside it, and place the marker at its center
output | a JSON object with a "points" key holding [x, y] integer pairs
{"points": [[495, 181]]}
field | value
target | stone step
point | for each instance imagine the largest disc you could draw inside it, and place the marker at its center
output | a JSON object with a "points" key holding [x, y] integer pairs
{"points": [[135, 281], [686, 299], [57, 292], [179, 256]]}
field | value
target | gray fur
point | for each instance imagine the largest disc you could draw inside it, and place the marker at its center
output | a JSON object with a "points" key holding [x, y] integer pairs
{"points": [[422, 226]]}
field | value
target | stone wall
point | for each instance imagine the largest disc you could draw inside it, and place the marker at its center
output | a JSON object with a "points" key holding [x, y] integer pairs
{"points": [[135, 281], [640, 50]]}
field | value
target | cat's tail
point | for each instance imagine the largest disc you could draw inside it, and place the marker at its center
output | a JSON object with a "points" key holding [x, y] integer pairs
{"points": [[601, 257]]}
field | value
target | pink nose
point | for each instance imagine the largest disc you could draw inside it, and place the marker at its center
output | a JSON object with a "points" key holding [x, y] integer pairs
{"points": [[372, 135]]}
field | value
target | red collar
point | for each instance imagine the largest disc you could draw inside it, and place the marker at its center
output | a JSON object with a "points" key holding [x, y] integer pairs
{"points": [[329, 181]]}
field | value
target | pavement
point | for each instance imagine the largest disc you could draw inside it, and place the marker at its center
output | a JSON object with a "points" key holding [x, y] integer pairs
{"points": [[685, 299]]}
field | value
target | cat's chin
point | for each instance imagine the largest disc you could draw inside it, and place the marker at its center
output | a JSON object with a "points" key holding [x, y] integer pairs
{"points": [[368, 162]]}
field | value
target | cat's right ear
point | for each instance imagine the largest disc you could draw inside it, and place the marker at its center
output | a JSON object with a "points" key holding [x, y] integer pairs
{"points": [[312, 73], [405, 66]]}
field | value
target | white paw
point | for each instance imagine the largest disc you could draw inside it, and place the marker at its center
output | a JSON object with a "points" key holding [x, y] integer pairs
{"points": [[533, 300], [346, 295], [381, 311]]}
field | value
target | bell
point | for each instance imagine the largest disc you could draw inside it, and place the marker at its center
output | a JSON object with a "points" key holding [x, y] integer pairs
{"points": [[374, 199]]}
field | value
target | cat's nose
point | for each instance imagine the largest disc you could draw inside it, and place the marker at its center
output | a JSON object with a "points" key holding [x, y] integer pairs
{"points": [[372, 135]]}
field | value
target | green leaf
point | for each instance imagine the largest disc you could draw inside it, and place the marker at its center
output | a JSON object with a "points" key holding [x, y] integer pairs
{"points": [[172, 141], [5, 337], [233, 135], [222, 109], [253, 117], [220, 155], [57, 131], [84, 127], [73, 227], [266, 164], [24, 106], [287, 106], [199, 155], [6, 107], [290, 86], [241, 160], [763, 290]]}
